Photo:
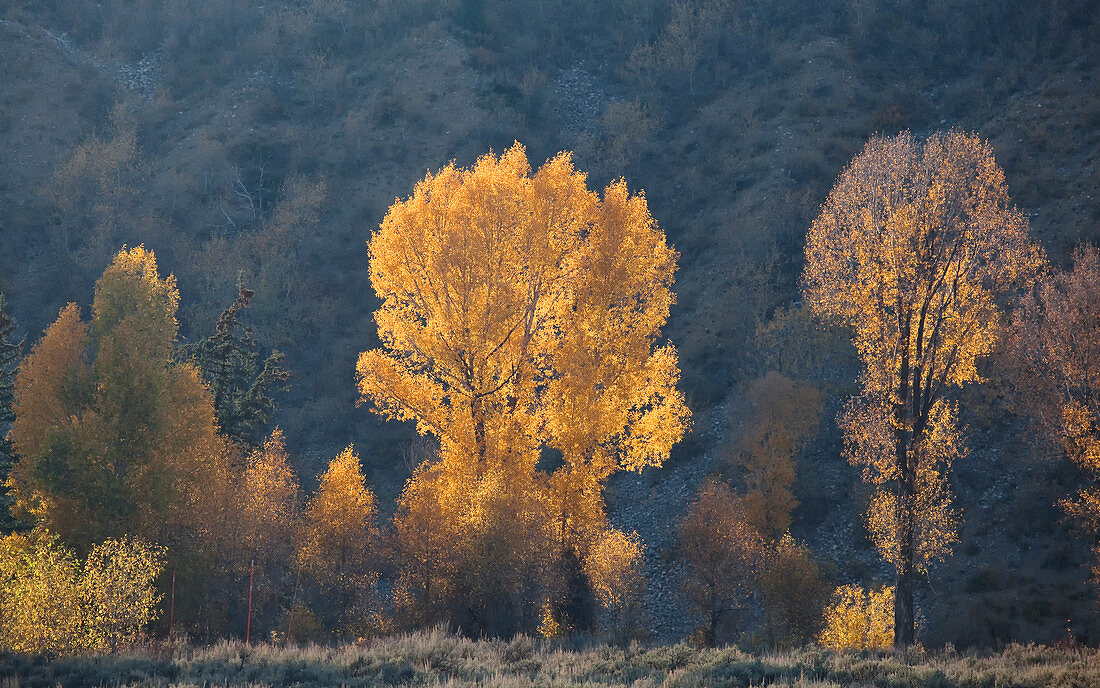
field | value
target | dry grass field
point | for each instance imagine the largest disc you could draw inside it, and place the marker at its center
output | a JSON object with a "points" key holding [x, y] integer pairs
{"points": [[437, 658]]}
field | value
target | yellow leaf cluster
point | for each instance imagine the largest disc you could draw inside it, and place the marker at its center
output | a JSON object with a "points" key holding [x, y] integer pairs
{"points": [[859, 619], [269, 500], [793, 592], [909, 249], [339, 538], [474, 549], [40, 610], [520, 314], [933, 518], [118, 591], [50, 603], [613, 567], [521, 310]]}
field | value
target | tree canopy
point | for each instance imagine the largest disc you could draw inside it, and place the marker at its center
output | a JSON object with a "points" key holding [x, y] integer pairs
{"points": [[910, 251], [115, 437], [520, 313]]}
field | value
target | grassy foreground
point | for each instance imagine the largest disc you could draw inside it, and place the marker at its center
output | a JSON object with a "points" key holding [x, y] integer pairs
{"points": [[436, 658]]}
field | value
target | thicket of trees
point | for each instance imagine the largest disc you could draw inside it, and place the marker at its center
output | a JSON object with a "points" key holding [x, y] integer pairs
{"points": [[520, 329]]}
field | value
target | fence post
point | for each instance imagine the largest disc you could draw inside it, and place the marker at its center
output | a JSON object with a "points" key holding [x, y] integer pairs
{"points": [[172, 608], [248, 625]]}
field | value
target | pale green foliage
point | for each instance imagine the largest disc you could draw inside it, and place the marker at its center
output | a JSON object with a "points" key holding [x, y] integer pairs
{"points": [[40, 611], [117, 590], [51, 604]]}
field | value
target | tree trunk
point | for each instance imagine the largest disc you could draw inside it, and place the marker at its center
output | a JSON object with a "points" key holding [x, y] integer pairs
{"points": [[904, 624], [904, 617], [479, 432]]}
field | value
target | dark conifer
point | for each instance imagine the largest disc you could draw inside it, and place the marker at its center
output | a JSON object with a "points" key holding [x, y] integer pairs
{"points": [[229, 360]]}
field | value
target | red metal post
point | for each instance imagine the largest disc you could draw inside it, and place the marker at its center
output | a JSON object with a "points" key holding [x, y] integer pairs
{"points": [[248, 625], [172, 607]]}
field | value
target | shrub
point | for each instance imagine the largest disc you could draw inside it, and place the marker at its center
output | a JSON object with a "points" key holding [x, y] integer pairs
{"points": [[50, 604], [722, 552], [794, 593], [859, 619], [40, 609]]}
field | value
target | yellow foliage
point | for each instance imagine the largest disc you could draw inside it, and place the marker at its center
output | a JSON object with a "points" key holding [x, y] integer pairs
{"points": [[339, 540], [910, 250], [473, 550], [50, 604], [859, 619], [613, 568], [269, 501], [549, 626], [118, 592], [339, 525], [40, 610], [520, 312], [933, 519]]}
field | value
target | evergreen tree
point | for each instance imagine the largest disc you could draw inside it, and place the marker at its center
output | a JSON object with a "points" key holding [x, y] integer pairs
{"points": [[230, 363], [10, 353]]}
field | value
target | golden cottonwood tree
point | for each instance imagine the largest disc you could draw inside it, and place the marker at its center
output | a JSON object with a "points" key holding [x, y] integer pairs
{"points": [[339, 542], [912, 246], [1056, 336], [115, 437], [520, 313]]}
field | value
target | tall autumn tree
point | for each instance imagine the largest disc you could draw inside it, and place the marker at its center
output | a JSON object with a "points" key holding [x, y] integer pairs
{"points": [[114, 436], [911, 249], [10, 353], [521, 312], [266, 515], [1057, 336], [339, 544]]}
